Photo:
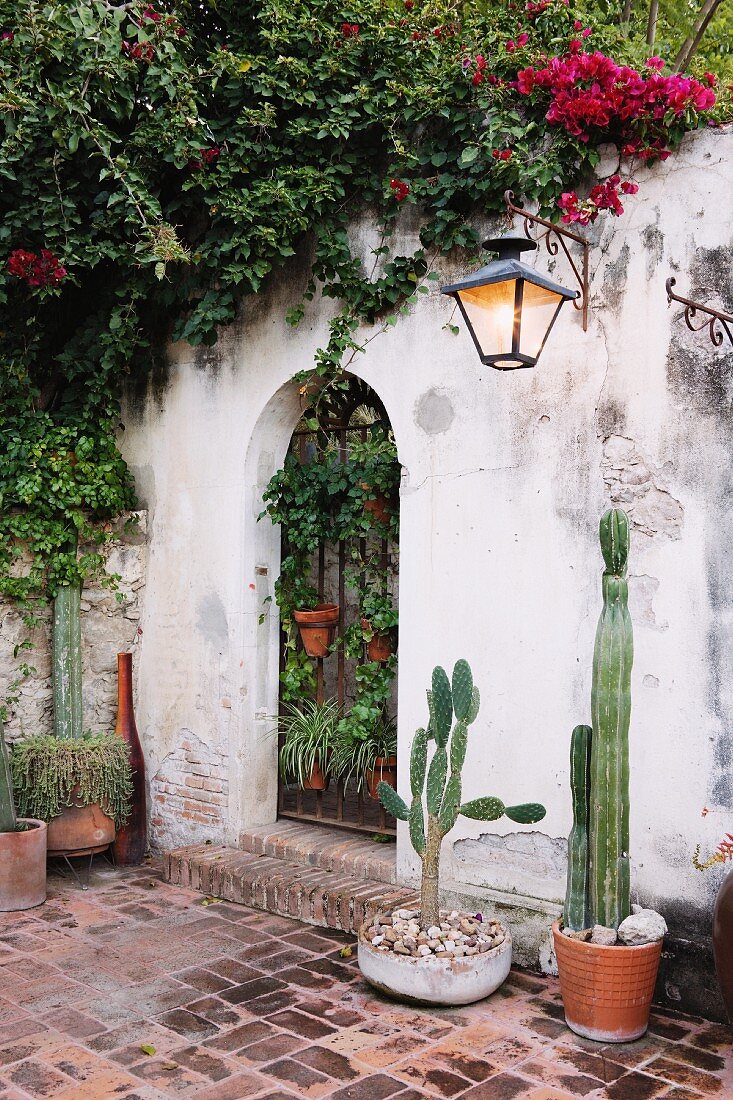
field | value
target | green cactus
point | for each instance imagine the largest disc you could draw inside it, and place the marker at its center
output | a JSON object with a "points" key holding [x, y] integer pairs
{"points": [[440, 786], [66, 641], [575, 913], [598, 890], [8, 821]]}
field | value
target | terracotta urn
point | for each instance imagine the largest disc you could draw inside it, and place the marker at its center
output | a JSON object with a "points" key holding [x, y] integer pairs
{"points": [[723, 941], [317, 780], [131, 840], [80, 830]]}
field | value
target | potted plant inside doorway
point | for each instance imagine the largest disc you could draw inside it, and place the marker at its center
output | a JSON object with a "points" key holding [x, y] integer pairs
{"points": [[607, 956], [309, 734], [366, 755], [378, 621], [428, 956], [80, 786], [22, 848]]}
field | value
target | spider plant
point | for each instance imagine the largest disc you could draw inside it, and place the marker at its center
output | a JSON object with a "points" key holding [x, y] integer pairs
{"points": [[309, 731], [354, 756]]}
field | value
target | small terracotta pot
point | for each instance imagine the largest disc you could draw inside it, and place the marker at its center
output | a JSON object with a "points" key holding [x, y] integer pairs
{"points": [[23, 867], [317, 627], [723, 941], [385, 770], [80, 830], [379, 647], [378, 507], [317, 781], [607, 991]]}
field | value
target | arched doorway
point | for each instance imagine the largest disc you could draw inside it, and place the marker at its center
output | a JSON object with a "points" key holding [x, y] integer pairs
{"points": [[336, 502]]}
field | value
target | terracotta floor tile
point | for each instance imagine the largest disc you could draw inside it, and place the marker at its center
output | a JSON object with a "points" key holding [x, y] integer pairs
{"points": [[37, 1079], [236, 1088], [303, 1080], [376, 1087], [635, 1086], [503, 1087], [269, 1050], [431, 1075], [680, 1074], [394, 1049]]}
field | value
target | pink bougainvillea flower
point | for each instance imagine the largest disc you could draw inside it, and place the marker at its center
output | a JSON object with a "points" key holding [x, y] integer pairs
{"points": [[7, 36], [501, 154], [522, 40], [350, 30], [629, 188], [400, 189], [510, 46], [208, 156], [654, 63], [36, 270], [409, 5]]}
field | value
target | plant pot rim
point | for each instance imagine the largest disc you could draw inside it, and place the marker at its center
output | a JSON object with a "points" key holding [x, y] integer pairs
{"points": [[322, 612], [34, 822], [384, 762], [586, 945]]}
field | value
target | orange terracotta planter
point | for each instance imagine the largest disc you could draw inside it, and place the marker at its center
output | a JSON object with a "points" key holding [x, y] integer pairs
{"points": [[607, 991], [379, 647], [317, 627], [385, 770], [80, 831], [378, 508], [317, 781], [23, 867]]}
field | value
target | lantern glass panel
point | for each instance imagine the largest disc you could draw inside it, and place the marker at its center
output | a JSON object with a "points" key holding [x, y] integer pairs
{"points": [[490, 312], [539, 307]]}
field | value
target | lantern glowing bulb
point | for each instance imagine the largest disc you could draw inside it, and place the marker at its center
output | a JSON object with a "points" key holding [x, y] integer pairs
{"points": [[508, 306]]}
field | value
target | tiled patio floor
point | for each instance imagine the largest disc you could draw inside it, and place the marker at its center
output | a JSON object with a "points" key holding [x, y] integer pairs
{"points": [[233, 1002]]}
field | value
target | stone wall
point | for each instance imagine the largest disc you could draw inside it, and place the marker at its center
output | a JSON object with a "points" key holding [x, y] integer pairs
{"points": [[110, 624]]}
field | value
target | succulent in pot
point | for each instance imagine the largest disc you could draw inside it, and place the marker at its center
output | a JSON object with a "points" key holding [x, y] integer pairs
{"points": [[22, 848], [81, 786], [607, 956], [425, 955], [366, 756], [309, 734]]}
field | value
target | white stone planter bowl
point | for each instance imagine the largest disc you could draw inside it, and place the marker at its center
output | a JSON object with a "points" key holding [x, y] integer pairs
{"points": [[430, 981]]}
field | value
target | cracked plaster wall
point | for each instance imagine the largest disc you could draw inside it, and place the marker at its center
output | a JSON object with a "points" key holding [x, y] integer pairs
{"points": [[505, 476]]}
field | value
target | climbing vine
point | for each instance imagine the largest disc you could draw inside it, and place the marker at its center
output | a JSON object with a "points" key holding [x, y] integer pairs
{"points": [[159, 162]]}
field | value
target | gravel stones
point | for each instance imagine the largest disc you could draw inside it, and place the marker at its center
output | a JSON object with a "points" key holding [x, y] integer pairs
{"points": [[458, 935], [643, 926]]}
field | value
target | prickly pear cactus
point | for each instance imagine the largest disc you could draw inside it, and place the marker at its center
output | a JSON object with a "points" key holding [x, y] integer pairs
{"points": [[439, 784], [7, 804]]}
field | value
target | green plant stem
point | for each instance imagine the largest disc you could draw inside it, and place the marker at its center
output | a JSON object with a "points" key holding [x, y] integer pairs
{"points": [[429, 886], [66, 658]]}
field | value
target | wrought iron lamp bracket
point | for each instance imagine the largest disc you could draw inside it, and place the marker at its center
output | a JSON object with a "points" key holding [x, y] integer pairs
{"points": [[554, 237], [710, 319]]}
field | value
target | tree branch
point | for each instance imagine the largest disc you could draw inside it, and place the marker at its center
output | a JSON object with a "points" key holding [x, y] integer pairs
{"points": [[691, 44], [651, 26]]}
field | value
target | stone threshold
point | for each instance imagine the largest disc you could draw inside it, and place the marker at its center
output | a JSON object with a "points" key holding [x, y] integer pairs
{"points": [[323, 897]]}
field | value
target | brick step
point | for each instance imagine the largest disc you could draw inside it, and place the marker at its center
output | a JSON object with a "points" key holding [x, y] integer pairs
{"points": [[324, 847], [326, 898]]}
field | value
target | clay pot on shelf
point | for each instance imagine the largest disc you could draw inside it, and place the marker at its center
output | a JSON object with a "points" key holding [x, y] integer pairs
{"points": [[23, 866], [379, 646], [317, 781], [80, 830], [384, 770], [317, 627], [606, 991], [723, 941], [131, 840]]}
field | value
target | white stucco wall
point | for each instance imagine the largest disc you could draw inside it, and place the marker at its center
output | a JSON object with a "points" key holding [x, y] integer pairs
{"points": [[505, 477]]}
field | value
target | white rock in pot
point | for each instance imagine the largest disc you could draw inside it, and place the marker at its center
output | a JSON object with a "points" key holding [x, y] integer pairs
{"points": [[605, 937], [643, 926]]}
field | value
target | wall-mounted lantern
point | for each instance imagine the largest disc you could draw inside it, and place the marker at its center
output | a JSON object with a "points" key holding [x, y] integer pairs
{"points": [[508, 306], [710, 320]]}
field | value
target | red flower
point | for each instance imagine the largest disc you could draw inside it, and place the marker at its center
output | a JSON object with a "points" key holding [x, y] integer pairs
{"points": [[416, 36], [501, 154], [710, 78], [587, 33], [409, 5], [629, 188], [208, 156], [522, 40], [400, 189], [510, 46], [437, 32], [7, 36], [477, 78], [138, 51], [151, 14], [350, 30], [654, 63], [37, 271], [577, 25]]}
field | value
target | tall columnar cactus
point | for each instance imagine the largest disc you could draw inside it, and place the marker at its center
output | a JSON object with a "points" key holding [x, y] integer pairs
{"points": [[7, 803], [600, 760], [439, 785], [66, 639]]}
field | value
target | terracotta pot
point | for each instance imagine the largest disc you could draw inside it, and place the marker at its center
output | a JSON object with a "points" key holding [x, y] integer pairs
{"points": [[80, 830], [723, 941], [379, 647], [131, 840], [317, 627], [385, 770], [607, 991], [23, 867], [378, 507], [317, 781]]}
